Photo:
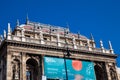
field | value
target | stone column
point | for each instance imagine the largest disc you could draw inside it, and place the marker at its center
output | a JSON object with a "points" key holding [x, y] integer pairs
{"points": [[23, 66], [8, 66], [108, 72]]}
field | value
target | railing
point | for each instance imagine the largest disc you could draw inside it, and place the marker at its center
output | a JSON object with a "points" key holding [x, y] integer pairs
{"points": [[97, 49], [82, 47], [55, 43], [107, 51]]}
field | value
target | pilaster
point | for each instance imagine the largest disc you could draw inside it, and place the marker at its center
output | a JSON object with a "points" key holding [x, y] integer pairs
{"points": [[39, 68], [8, 66], [116, 72], [43, 74], [74, 44], [23, 66], [58, 39], [88, 45], [1, 64], [22, 34], [42, 57], [51, 38], [41, 37], [36, 36], [108, 72], [81, 44]]}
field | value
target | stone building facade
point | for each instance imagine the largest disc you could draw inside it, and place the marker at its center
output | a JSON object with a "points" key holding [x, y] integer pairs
{"points": [[23, 49], [118, 71]]}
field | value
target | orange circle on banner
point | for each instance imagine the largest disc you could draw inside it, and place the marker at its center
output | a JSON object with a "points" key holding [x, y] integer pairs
{"points": [[77, 65]]}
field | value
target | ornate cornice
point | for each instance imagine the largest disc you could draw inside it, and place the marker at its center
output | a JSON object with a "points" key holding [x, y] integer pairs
{"points": [[58, 49]]}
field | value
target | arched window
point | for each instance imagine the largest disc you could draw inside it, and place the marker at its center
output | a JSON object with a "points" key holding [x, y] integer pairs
{"points": [[99, 72], [32, 69], [113, 74]]}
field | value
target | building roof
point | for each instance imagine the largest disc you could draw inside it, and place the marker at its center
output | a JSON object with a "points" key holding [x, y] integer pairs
{"points": [[47, 28]]}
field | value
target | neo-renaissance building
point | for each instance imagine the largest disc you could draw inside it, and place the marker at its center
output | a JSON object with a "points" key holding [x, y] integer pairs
{"points": [[36, 51], [118, 70]]}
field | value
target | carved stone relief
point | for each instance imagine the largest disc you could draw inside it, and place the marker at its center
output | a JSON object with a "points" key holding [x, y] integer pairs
{"points": [[16, 69], [112, 70]]}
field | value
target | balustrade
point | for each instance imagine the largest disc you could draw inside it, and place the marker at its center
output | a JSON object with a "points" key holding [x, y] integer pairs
{"points": [[55, 43]]}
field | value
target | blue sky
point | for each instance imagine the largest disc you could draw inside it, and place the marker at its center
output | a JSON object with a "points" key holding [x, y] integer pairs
{"points": [[99, 17]]}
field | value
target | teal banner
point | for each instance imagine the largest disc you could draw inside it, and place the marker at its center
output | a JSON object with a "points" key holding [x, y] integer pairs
{"points": [[54, 68]]}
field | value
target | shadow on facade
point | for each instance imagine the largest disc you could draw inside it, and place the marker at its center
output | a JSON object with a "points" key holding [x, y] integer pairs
{"points": [[31, 69], [99, 72]]}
